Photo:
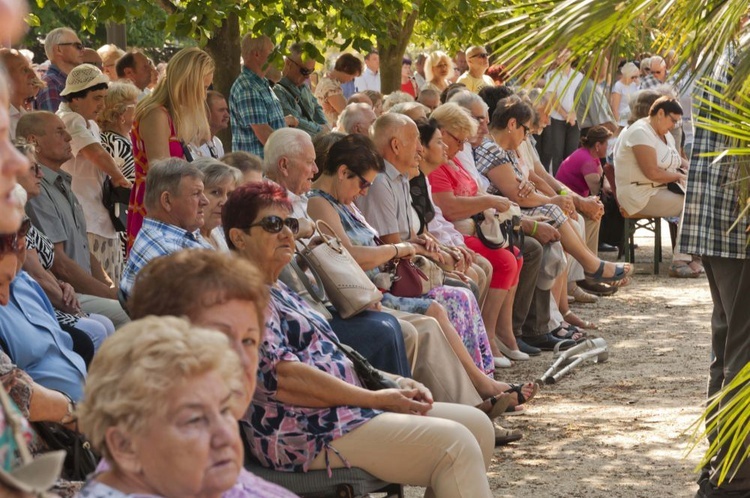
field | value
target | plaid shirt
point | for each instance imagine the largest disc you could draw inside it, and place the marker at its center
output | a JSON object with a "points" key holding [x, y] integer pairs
{"points": [[302, 104], [48, 98], [157, 239], [488, 156], [711, 202], [252, 102]]}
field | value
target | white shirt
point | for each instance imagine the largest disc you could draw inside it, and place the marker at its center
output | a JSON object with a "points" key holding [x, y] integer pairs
{"points": [[367, 81], [87, 177], [566, 93], [205, 149]]}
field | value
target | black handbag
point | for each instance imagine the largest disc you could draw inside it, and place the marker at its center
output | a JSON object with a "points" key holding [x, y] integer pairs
{"points": [[116, 200], [80, 459]]}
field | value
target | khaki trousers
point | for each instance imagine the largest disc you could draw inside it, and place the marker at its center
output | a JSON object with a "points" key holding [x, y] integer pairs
{"points": [[448, 451], [433, 362]]}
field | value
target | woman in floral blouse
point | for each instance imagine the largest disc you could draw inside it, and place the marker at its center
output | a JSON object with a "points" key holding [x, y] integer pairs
{"points": [[310, 410]]}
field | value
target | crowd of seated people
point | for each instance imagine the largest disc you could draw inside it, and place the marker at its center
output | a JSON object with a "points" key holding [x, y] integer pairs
{"points": [[211, 237]]}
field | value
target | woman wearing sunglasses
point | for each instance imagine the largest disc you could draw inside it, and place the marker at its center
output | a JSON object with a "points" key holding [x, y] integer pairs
{"points": [[310, 411]]}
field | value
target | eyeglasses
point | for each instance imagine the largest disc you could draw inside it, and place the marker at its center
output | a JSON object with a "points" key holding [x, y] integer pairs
{"points": [[526, 130], [302, 69], [363, 184], [274, 224], [77, 45], [454, 137], [675, 121], [11, 242], [483, 55]]}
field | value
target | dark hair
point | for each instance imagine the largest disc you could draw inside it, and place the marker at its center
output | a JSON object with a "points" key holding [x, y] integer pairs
{"points": [[451, 90], [510, 108], [427, 130], [406, 61], [494, 94], [667, 104], [357, 152], [595, 135], [349, 64], [323, 143], [125, 62], [82, 94], [247, 201], [498, 73]]}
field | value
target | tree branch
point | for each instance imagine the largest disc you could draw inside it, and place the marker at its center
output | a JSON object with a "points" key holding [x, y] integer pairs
{"points": [[168, 6]]}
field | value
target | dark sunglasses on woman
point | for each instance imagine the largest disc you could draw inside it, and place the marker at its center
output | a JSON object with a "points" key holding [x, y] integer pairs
{"points": [[274, 224]]}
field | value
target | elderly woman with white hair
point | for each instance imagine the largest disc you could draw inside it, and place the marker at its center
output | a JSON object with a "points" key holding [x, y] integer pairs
{"points": [[621, 92], [219, 181], [437, 68]]}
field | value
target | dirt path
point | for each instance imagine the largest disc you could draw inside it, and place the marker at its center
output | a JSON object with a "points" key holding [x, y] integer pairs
{"points": [[615, 429]]}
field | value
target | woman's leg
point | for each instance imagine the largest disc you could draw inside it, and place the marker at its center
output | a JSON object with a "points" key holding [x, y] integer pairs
{"points": [[575, 246], [665, 204], [448, 451]]}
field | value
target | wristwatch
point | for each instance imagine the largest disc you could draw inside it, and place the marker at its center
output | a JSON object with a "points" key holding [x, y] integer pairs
{"points": [[70, 415]]}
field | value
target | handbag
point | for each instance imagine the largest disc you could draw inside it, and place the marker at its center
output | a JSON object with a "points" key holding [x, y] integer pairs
{"points": [[348, 287], [80, 459], [407, 280], [116, 200]]}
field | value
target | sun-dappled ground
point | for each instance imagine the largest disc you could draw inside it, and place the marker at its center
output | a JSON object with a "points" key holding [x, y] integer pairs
{"points": [[616, 429]]}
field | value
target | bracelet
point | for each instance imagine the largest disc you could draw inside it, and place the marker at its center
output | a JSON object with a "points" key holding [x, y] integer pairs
{"points": [[70, 415], [396, 248], [533, 230]]}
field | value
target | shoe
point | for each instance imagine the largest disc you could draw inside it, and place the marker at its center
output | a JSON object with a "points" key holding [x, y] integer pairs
{"points": [[607, 248], [502, 362], [597, 289], [547, 342], [620, 277], [495, 406], [504, 436], [526, 348], [583, 297], [682, 270], [512, 354]]}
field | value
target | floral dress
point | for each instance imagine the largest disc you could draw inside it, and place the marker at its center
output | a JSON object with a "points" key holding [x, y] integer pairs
{"points": [[288, 437], [459, 303]]}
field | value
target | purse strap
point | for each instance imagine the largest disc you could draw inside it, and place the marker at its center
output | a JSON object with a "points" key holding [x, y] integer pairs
{"points": [[316, 291]]}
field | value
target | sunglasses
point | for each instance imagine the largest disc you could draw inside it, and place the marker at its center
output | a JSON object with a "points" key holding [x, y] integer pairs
{"points": [[274, 224], [363, 184], [483, 55], [302, 70], [77, 45]]}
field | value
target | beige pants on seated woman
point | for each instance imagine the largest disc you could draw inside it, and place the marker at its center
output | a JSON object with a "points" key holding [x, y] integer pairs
{"points": [[666, 204], [439, 451]]}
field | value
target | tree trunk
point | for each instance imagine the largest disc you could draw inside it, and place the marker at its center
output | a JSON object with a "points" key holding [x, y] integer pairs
{"points": [[392, 53], [224, 48]]}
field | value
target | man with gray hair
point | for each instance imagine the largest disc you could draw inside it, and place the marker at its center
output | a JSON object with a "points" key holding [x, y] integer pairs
{"points": [[175, 202], [296, 98], [356, 118], [290, 161], [64, 51], [657, 74], [255, 110]]}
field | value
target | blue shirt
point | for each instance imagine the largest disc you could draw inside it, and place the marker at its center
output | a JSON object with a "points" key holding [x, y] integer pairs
{"points": [[252, 102], [48, 98], [36, 343], [157, 239]]}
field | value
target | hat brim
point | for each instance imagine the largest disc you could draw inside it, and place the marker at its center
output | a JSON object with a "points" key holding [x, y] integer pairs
{"points": [[37, 476], [100, 78]]}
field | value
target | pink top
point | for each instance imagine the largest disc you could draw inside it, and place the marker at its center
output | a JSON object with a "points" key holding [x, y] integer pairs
{"points": [[575, 167], [452, 177]]}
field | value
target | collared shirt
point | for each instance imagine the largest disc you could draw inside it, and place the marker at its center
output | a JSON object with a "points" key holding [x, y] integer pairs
{"points": [[302, 104], [368, 80], [214, 148], [475, 84], [387, 206], [252, 102], [48, 98], [712, 201], [15, 116], [156, 239], [592, 108], [648, 81], [36, 343], [58, 214]]}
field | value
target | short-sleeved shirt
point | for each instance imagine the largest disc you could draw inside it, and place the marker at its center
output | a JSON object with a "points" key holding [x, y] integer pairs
{"points": [[625, 91], [328, 87], [634, 189], [58, 214], [87, 177], [574, 169], [36, 343], [252, 102], [565, 86], [302, 104], [368, 80], [289, 437], [48, 98], [452, 177], [475, 84], [153, 240], [387, 206]]}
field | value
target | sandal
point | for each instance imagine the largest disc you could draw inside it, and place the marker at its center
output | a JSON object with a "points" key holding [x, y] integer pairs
{"points": [[518, 389], [583, 297], [571, 332], [573, 319], [682, 269], [697, 266], [621, 272], [495, 406]]}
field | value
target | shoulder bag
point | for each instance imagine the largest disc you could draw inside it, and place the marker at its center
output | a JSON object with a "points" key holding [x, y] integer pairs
{"points": [[116, 200], [348, 287]]}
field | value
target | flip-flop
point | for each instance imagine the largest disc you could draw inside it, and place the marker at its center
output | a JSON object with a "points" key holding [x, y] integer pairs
{"points": [[518, 389], [567, 333], [621, 271], [498, 405]]}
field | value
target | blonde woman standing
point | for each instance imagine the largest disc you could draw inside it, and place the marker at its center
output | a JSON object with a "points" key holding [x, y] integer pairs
{"points": [[437, 67], [173, 115]]}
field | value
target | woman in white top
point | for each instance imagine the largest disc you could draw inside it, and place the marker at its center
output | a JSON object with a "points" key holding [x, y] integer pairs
{"points": [[621, 92], [83, 100], [646, 161]]}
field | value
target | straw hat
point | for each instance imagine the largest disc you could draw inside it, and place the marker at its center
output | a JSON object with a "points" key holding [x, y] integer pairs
{"points": [[82, 77]]}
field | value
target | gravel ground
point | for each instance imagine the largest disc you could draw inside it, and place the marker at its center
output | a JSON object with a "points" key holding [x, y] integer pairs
{"points": [[615, 429]]}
